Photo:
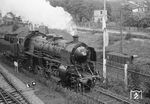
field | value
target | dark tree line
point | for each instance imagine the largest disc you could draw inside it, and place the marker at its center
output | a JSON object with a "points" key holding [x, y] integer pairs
{"points": [[139, 20], [11, 19], [81, 10]]}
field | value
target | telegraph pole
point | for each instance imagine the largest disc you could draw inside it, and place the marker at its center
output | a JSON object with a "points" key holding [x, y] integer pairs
{"points": [[104, 33], [121, 43]]}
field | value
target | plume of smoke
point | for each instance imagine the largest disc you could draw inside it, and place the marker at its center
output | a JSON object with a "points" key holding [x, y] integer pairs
{"points": [[72, 28], [38, 12]]}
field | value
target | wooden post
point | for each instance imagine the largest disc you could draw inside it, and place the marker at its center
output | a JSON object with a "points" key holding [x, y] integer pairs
{"points": [[121, 32], [104, 33], [126, 76], [16, 66]]}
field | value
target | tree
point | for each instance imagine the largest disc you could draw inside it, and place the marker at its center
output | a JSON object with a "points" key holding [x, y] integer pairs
{"points": [[128, 19], [136, 20], [147, 3], [144, 22], [81, 10], [15, 27]]}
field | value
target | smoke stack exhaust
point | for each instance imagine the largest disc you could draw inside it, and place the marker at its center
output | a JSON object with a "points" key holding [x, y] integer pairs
{"points": [[75, 38]]}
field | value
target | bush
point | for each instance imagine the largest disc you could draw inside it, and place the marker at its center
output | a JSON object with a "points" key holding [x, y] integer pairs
{"points": [[15, 27], [128, 36]]}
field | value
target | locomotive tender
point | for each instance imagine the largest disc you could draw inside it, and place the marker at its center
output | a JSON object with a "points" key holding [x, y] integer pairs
{"points": [[71, 63]]}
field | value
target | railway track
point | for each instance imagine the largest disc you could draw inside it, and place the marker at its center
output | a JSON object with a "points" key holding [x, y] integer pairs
{"points": [[7, 98], [9, 94], [102, 96]]}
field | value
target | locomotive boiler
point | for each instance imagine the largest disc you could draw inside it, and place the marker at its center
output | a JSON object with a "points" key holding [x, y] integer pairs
{"points": [[69, 62]]}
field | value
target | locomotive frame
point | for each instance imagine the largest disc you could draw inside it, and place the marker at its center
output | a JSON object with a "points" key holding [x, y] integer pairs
{"points": [[72, 65]]}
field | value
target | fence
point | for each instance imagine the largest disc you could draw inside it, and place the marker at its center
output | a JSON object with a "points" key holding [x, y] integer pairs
{"points": [[131, 75], [113, 71], [111, 26]]}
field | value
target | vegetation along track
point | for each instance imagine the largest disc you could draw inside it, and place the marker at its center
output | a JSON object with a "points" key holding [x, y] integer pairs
{"points": [[140, 74], [9, 94], [102, 96]]}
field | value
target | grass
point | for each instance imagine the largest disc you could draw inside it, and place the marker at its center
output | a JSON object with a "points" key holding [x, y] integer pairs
{"points": [[70, 96], [4, 45], [130, 46]]}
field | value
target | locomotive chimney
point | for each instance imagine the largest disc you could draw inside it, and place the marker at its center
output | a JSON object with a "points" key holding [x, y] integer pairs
{"points": [[75, 38]]}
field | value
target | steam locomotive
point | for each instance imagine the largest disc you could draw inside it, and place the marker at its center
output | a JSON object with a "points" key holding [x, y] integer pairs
{"points": [[68, 62]]}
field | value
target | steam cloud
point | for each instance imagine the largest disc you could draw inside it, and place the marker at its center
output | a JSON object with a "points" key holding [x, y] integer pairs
{"points": [[37, 12]]}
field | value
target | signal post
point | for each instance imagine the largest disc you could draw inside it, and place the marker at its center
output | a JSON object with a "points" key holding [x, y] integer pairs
{"points": [[102, 16], [105, 40]]}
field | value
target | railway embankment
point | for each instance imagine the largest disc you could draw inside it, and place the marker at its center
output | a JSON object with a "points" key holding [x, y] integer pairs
{"points": [[27, 92]]}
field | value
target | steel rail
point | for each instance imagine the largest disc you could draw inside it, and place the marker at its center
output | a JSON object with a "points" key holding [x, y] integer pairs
{"points": [[3, 98], [117, 97], [16, 90], [5, 95]]}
